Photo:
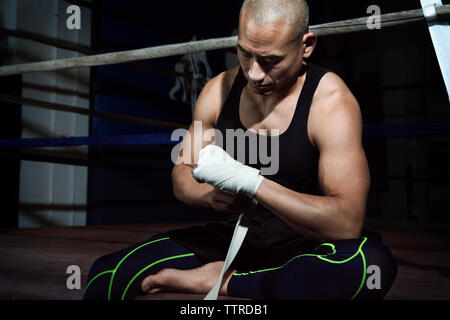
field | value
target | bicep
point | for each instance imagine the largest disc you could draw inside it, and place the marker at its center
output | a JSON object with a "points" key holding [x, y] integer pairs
{"points": [[343, 170]]}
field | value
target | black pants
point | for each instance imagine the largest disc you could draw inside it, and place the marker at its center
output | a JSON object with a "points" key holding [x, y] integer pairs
{"points": [[360, 268]]}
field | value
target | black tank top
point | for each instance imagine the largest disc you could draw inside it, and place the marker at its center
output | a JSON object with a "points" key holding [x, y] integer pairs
{"points": [[298, 158]]}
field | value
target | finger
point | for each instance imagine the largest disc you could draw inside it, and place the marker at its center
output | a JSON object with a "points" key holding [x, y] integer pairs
{"points": [[225, 207], [237, 203], [236, 209], [226, 192], [223, 196], [154, 290], [147, 283], [243, 201], [219, 206]]}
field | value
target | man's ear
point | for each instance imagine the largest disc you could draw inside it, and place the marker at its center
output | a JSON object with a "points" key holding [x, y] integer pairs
{"points": [[309, 44]]}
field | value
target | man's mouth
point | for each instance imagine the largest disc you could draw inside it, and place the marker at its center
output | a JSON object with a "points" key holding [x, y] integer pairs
{"points": [[260, 87]]}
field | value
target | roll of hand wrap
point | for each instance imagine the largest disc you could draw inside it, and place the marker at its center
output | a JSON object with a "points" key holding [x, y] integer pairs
{"points": [[217, 168]]}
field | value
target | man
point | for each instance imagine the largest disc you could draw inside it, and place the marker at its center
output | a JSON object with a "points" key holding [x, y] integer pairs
{"points": [[309, 220]]}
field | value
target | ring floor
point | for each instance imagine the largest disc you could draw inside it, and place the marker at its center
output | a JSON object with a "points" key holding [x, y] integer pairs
{"points": [[33, 261]]}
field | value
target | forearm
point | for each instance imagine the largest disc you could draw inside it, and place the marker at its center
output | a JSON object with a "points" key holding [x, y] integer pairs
{"points": [[317, 217], [187, 189]]}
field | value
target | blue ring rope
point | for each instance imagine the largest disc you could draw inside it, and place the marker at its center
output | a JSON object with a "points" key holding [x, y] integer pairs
{"points": [[370, 131], [115, 140], [404, 130]]}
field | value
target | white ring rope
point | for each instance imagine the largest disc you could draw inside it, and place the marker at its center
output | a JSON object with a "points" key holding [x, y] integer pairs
{"points": [[122, 56], [340, 27]]}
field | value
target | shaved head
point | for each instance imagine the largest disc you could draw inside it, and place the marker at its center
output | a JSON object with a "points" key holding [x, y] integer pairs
{"points": [[294, 12], [273, 42]]}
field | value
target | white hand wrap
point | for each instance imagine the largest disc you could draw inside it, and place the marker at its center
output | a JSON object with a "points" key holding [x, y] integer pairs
{"points": [[217, 168]]}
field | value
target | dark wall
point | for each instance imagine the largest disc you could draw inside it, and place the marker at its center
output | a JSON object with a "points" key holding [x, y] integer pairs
{"points": [[10, 127]]}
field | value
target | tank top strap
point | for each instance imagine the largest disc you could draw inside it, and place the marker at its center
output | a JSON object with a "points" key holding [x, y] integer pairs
{"points": [[314, 74], [229, 116]]}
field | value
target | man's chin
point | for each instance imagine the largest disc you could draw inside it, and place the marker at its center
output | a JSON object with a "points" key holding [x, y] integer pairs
{"points": [[264, 91]]}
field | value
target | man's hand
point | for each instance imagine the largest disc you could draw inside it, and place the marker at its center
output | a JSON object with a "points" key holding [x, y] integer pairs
{"points": [[222, 201], [217, 168]]}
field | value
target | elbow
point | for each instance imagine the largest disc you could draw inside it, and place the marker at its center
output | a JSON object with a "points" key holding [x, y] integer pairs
{"points": [[341, 233], [183, 189], [177, 194], [350, 229], [351, 232], [349, 226], [339, 220], [349, 219]]}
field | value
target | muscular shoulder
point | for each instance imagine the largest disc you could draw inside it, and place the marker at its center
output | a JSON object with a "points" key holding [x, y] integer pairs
{"points": [[213, 96], [334, 110]]}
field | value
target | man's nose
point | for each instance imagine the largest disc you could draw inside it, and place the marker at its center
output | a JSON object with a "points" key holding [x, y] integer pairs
{"points": [[256, 73]]}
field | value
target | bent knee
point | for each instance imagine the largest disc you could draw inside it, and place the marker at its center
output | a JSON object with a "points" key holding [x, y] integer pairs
{"points": [[381, 270], [102, 264]]}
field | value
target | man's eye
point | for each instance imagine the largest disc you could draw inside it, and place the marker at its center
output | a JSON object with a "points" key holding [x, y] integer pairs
{"points": [[273, 61], [270, 62]]}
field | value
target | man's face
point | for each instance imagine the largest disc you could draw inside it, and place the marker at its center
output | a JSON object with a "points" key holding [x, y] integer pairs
{"points": [[270, 55]]}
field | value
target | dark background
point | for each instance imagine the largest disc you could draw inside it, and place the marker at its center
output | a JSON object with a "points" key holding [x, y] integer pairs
{"points": [[132, 184]]}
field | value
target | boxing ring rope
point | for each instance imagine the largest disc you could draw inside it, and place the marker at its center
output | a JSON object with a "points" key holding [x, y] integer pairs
{"points": [[67, 45], [370, 132], [334, 28], [386, 20], [122, 56], [92, 113]]}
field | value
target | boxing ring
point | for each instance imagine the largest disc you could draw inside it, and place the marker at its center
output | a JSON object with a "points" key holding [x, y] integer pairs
{"points": [[25, 251]]}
